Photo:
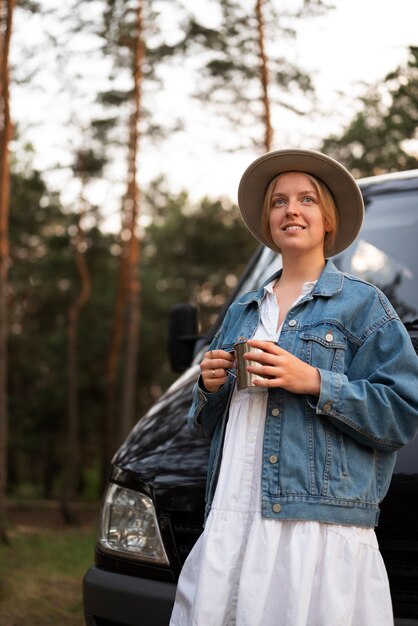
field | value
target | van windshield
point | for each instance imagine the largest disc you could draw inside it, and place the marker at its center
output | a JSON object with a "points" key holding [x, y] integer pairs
{"points": [[385, 252]]}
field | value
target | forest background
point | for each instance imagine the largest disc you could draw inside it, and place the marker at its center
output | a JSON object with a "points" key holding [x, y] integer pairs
{"points": [[99, 239]]}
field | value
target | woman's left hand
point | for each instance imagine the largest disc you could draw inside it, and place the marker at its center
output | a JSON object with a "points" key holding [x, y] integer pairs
{"points": [[282, 369]]}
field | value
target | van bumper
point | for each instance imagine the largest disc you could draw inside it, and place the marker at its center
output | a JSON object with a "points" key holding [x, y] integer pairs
{"points": [[129, 601], [126, 600]]}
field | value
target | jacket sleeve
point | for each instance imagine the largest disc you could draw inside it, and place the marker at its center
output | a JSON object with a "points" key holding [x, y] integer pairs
{"points": [[376, 402], [208, 407]]}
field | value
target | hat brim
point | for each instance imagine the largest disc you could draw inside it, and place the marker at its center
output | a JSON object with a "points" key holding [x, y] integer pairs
{"points": [[337, 178]]}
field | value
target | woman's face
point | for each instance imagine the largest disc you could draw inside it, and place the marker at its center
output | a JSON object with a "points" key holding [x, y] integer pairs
{"points": [[296, 219]]}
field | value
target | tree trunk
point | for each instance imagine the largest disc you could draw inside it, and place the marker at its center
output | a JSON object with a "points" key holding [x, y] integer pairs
{"points": [[126, 315], [6, 15], [73, 442], [109, 432], [129, 383], [264, 77]]}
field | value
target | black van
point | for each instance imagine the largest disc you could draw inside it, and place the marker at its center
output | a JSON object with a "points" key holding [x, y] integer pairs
{"points": [[153, 509]]}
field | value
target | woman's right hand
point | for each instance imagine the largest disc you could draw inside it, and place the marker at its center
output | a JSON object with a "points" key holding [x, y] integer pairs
{"points": [[214, 368]]}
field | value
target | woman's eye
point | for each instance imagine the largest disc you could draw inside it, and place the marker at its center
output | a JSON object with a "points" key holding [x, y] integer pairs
{"points": [[308, 200], [278, 202]]}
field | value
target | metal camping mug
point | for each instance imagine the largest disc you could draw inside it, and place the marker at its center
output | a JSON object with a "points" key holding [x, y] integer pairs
{"points": [[245, 380]]}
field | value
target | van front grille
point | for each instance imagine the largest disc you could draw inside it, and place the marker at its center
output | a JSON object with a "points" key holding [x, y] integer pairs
{"points": [[186, 531]]}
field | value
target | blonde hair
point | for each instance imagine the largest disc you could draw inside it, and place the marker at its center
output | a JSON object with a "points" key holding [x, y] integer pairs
{"points": [[326, 203]]}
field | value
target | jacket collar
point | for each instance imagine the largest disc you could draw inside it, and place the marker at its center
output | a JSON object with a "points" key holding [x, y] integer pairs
{"points": [[329, 283]]}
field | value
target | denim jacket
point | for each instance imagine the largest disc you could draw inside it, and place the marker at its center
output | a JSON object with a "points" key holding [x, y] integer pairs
{"points": [[328, 458]]}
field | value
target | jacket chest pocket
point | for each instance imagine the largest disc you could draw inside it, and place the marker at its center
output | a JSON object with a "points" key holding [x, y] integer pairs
{"points": [[324, 347]]}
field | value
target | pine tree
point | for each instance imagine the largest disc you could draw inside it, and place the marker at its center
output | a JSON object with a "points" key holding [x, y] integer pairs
{"points": [[241, 73], [6, 21], [133, 40]]}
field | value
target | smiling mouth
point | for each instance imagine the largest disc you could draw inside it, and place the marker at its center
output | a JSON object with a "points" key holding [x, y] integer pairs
{"points": [[293, 227]]}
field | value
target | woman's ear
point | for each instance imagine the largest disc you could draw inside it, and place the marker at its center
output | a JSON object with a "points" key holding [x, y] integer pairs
{"points": [[327, 226]]}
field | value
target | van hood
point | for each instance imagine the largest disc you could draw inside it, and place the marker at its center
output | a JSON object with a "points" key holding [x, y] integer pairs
{"points": [[160, 457]]}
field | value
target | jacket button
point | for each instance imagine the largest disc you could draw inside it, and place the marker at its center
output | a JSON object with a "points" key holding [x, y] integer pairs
{"points": [[273, 459], [329, 337], [292, 323], [275, 412], [327, 407], [277, 508]]}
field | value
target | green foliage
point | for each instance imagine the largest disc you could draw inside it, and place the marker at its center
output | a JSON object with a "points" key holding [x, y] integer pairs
{"points": [[44, 282], [191, 253], [29, 5], [88, 163], [376, 139]]}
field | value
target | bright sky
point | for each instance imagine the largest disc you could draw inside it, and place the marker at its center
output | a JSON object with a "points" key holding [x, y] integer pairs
{"points": [[360, 41]]}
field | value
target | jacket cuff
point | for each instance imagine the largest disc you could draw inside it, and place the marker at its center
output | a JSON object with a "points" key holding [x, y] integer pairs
{"points": [[201, 419], [330, 393], [202, 397]]}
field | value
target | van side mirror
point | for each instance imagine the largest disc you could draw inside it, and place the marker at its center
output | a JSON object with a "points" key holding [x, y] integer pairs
{"points": [[182, 336]]}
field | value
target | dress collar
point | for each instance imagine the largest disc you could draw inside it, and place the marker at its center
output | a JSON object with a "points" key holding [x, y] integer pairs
{"points": [[306, 287]]}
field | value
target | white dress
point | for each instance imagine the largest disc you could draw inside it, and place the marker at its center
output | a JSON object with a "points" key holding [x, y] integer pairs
{"points": [[245, 570]]}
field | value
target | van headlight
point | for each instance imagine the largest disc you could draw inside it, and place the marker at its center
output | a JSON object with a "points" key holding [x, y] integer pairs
{"points": [[129, 525]]}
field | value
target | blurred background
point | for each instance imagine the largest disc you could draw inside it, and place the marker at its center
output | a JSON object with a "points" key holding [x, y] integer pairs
{"points": [[125, 126]]}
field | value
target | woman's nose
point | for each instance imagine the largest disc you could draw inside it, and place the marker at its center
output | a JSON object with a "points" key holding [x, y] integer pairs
{"points": [[292, 208]]}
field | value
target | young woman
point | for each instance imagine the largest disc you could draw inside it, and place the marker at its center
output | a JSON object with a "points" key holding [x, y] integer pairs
{"points": [[299, 464]]}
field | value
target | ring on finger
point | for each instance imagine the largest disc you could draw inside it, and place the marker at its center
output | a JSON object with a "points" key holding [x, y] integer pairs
{"points": [[213, 374]]}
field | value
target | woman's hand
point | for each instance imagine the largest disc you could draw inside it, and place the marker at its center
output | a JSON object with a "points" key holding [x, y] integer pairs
{"points": [[214, 368], [282, 369]]}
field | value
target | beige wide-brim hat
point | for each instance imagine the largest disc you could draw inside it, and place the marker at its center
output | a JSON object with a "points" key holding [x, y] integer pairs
{"points": [[343, 187]]}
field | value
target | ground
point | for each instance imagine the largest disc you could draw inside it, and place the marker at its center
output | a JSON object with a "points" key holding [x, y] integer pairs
{"points": [[41, 570]]}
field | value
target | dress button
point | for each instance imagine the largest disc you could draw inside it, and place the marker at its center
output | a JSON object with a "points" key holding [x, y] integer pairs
{"points": [[327, 407], [275, 412], [273, 459], [329, 337], [277, 508], [292, 323]]}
